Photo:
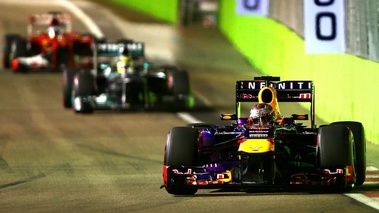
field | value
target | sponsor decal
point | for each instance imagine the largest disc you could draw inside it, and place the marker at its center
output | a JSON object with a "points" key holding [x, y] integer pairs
{"points": [[115, 47], [247, 96], [259, 133], [252, 7], [305, 96], [228, 133], [189, 171], [283, 85], [324, 29], [227, 117]]}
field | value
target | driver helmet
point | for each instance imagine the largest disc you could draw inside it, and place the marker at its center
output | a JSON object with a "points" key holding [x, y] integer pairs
{"points": [[54, 29], [262, 115], [122, 64]]}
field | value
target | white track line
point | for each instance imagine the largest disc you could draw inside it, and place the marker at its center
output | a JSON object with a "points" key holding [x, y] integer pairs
{"points": [[202, 98], [188, 118], [371, 168], [364, 199], [91, 26]]}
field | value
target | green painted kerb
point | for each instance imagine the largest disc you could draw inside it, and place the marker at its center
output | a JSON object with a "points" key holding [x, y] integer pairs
{"points": [[165, 10], [345, 84]]}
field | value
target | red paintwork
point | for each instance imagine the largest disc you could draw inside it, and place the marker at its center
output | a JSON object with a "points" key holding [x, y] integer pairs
{"points": [[43, 44]]}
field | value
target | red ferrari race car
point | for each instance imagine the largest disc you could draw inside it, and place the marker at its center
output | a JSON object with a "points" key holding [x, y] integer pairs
{"points": [[50, 43]]}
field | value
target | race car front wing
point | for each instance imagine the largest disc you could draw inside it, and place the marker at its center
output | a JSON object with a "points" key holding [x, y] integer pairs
{"points": [[202, 177]]}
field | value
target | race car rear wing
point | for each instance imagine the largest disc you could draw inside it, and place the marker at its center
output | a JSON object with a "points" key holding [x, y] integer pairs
{"points": [[63, 20], [286, 91], [129, 48]]}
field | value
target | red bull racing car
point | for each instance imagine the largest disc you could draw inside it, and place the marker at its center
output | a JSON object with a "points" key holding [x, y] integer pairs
{"points": [[50, 43], [265, 149]]}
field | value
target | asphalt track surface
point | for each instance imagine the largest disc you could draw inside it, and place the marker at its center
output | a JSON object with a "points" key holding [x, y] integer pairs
{"points": [[53, 160]]}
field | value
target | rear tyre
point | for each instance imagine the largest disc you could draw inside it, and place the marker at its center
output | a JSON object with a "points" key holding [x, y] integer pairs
{"points": [[181, 150], [181, 91], [63, 58], [68, 79], [19, 48], [84, 89], [7, 49], [336, 150], [83, 46], [360, 149]]}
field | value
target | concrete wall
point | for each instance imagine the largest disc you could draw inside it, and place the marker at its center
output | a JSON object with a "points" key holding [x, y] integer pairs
{"points": [[166, 10], [345, 84]]}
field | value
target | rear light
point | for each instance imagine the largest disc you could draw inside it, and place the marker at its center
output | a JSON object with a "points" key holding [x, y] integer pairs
{"points": [[15, 65]]}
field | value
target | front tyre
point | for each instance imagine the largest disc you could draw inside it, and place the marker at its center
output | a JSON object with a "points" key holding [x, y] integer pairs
{"points": [[19, 49], [360, 149], [68, 79], [336, 150], [84, 90], [181, 150], [181, 90], [8, 54]]}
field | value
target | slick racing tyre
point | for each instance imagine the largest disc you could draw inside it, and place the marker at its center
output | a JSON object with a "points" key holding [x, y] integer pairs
{"points": [[336, 150], [181, 150], [84, 89], [83, 45], [7, 49], [19, 49], [63, 58], [360, 149], [181, 90], [68, 79]]}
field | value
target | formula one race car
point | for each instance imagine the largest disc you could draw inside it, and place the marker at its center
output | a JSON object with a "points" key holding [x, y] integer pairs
{"points": [[265, 149], [49, 44], [122, 79]]}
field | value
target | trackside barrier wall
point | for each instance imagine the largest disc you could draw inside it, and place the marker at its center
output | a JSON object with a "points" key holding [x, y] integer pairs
{"points": [[345, 84], [166, 10]]}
